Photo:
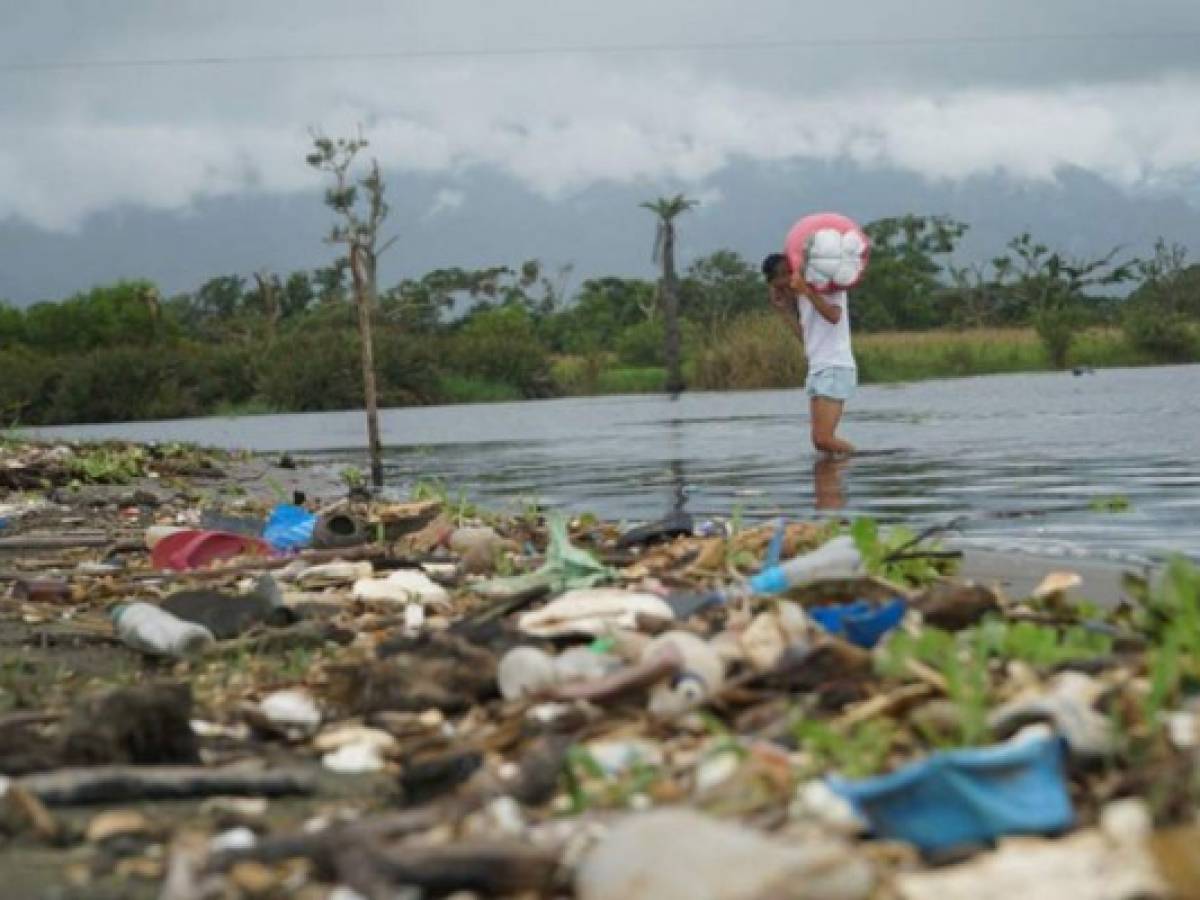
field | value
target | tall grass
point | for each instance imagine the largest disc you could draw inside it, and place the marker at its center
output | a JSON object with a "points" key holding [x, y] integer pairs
{"points": [[758, 351], [755, 351], [471, 389]]}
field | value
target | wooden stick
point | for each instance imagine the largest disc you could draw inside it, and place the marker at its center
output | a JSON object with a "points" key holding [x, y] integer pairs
{"points": [[105, 784], [484, 867], [266, 563], [55, 541]]}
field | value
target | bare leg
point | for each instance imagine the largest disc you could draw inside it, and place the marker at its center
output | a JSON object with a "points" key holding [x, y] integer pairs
{"points": [[827, 482], [826, 415]]}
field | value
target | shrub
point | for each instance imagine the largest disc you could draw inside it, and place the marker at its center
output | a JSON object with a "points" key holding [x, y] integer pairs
{"points": [[500, 344], [26, 380], [406, 366], [1164, 336], [312, 370], [125, 383], [642, 344], [1056, 328]]}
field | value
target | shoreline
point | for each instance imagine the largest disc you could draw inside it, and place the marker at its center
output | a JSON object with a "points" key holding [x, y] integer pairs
{"points": [[487, 777]]}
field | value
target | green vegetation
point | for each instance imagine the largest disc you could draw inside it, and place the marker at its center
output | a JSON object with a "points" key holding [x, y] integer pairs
{"points": [[893, 554], [857, 752], [239, 346], [962, 663]]}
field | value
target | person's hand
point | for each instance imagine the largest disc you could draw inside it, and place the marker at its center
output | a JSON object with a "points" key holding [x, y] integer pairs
{"points": [[778, 297], [800, 286]]}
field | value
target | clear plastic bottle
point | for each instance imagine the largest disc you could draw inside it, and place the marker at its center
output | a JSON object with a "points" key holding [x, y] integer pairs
{"points": [[145, 627], [838, 558]]}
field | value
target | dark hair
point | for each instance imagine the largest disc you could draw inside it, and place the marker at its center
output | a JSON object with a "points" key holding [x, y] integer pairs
{"points": [[770, 265]]}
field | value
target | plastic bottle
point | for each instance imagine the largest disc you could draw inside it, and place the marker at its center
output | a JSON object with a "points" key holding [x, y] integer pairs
{"points": [[837, 559], [145, 627]]}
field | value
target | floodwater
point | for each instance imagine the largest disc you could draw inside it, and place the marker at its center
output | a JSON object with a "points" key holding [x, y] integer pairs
{"points": [[1022, 459]]}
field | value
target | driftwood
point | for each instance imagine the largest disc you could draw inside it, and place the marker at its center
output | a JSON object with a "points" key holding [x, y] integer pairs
{"points": [[262, 563], [534, 783], [106, 784], [488, 868], [56, 541]]}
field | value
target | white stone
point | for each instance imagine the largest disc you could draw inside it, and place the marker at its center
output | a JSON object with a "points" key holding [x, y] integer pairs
{"points": [[354, 759], [292, 709], [525, 672], [234, 839]]}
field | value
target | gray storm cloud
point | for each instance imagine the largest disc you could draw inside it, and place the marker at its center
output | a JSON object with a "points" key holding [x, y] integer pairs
{"points": [[91, 141]]}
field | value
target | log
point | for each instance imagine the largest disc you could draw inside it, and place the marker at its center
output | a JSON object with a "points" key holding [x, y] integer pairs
{"points": [[263, 564], [55, 541], [107, 784], [487, 868]]}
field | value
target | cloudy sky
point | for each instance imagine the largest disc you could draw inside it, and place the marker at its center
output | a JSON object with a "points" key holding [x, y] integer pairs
{"points": [[167, 139]]}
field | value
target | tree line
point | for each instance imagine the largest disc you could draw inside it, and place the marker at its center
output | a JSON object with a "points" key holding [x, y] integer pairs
{"points": [[276, 341]]}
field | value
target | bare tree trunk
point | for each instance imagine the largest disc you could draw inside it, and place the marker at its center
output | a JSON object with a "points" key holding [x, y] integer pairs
{"points": [[362, 270], [270, 296], [671, 310]]}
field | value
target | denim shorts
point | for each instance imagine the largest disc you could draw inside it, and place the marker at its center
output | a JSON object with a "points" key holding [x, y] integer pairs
{"points": [[832, 383]]}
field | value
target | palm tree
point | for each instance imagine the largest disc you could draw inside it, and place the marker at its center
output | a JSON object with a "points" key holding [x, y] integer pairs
{"points": [[667, 208]]}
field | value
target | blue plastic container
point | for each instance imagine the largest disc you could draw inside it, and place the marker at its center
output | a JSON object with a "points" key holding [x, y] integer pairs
{"points": [[289, 528], [861, 622], [963, 797]]}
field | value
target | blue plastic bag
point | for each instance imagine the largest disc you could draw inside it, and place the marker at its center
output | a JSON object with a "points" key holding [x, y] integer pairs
{"points": [[289, 527], [860, 622], [963, 797]]}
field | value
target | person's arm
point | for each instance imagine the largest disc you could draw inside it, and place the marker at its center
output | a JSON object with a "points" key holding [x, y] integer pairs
{"points": [[786, 307], [830, 312]]}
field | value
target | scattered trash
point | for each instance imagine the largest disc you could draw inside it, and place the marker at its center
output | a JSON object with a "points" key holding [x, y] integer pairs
{"points": [[529, 671], [185, 550], [838, 558], [152, 630], [701, 673], [1056, 584], [771, 633], [1069, 707], [335, 530], [334, 573], [862, 623], [957, 798], [402, 586], [593, 612], [228, 615], [675, 525], [682, 855], [1100, 863], [289, 528], [510, 704], [479, 548], [41, 590]]}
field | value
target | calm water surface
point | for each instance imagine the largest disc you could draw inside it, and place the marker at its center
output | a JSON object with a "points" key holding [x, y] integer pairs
{"points": [[1044, 444]]}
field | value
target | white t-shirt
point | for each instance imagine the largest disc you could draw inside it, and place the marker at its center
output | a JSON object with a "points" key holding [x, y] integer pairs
{"points": [[826, 343]]}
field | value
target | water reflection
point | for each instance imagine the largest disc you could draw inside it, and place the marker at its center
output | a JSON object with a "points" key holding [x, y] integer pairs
{"points": [[1048, 445], [828, 489]]}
